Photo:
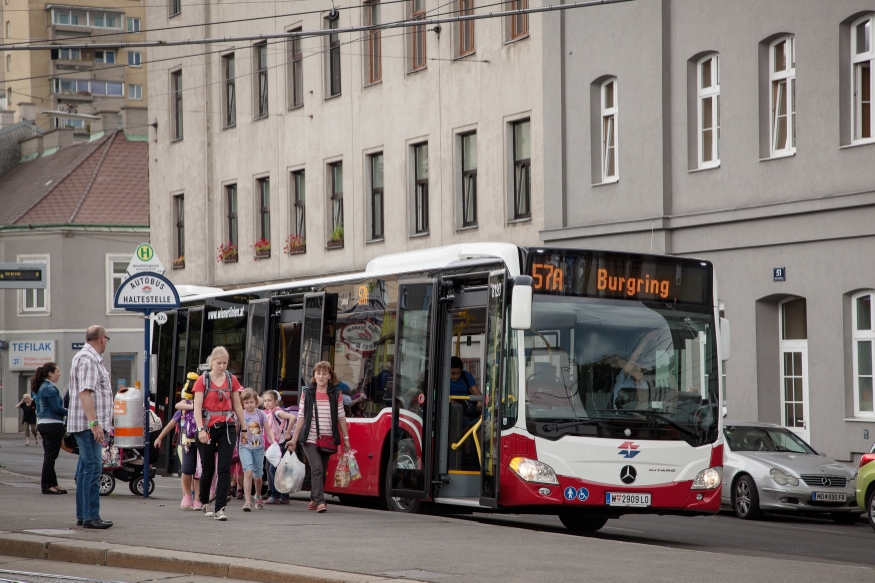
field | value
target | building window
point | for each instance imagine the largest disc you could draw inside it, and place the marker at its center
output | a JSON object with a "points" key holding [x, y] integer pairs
{"points": [[264, 208], [609, 130], [522, 170], [175, 7], [296, 72], [417, 36], [230, 94], [135, 59], [469, 179], [69, 54], [373, 38], [132, 24], [466, 28], [261, 80], [862, 57], [135, 92], [107, 57], [708, 90], [231, 213], [376, 172], [782, 96], [335, 175], [179, 209], [298, 197], [176, 103], [116, 273], [8, 62], [518, 23], [332, 61], [35, 301], [864, 350], [3, 101], [420, 188]]}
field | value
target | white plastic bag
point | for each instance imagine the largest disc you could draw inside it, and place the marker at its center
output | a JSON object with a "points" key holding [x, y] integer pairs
{"points": [[289, 474], [274, 454]]}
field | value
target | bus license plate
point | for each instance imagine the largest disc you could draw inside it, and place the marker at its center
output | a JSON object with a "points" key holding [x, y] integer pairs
{"points": [[614, 499], [829, 497]]}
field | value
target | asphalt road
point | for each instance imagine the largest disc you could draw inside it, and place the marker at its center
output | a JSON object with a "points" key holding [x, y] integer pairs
{"points": [[795, 541]]}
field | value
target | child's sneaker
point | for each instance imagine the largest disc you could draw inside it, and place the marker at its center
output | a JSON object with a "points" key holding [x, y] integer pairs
{"points": [[220, 514], [247, 507], [208, 509], [284, 501], [311, 505], [239, 494], [259, 504], [272, 500], [186, 503], [198, 505]]}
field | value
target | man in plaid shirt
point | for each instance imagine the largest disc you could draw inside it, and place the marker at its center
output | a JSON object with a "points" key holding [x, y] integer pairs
{"points": [[90, 411]]}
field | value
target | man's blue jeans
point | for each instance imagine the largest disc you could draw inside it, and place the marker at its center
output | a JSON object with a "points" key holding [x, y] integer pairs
{"points": [[87, 475]]}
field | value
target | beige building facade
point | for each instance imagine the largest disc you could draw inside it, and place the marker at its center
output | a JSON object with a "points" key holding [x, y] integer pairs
{"points": [[76, 82], [315, 155]]}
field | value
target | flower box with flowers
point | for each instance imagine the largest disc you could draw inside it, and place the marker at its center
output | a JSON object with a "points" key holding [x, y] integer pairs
{"points": [[335, 241], [227, 253], [262, 249], [295, 244], [178, 263]]}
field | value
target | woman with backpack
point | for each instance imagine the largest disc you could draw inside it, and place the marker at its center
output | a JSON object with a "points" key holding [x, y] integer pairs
{"points": [[321, 421], [217, 409]]}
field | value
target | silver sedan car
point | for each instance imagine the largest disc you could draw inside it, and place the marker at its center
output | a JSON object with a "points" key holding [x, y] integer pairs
{"points": [[769, 468]]}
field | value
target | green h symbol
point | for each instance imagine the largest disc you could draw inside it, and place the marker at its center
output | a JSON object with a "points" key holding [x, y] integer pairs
{"points": [[144, 252]]}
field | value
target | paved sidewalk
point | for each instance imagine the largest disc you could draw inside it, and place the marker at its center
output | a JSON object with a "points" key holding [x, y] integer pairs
{"points": [[289, 543]]}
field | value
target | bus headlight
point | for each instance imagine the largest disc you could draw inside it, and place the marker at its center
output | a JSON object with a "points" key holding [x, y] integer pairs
{"points": [[533, 471], [782, 478], [708, 479]]}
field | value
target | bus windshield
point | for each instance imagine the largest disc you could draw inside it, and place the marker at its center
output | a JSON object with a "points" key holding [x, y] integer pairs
{"points": [[622, 369]]}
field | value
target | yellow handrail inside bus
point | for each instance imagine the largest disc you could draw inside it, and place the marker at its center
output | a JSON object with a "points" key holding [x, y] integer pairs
{"points": [[460, 327], [283, 344], [468, 433]]}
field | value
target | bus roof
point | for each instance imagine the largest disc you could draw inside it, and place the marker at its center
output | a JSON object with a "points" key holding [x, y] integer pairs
{"points": [[420, 260]]}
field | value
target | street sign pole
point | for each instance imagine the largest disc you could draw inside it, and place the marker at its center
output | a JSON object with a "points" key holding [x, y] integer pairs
{"points": [[147, 472], [146, 290]]}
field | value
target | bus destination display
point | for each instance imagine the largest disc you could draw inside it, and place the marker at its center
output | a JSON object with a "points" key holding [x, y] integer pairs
{"points": [[21, 274], [620, 277]]}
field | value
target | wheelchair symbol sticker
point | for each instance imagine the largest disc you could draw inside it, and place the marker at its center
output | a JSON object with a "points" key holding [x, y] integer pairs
{"points": [[582, 494]]}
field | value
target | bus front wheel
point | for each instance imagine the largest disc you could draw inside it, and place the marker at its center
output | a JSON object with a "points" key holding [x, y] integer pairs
{"points": [[583, 523], [395, 504]]}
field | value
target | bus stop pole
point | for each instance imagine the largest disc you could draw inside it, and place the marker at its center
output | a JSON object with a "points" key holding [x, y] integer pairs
{"points": [[147, 474]]}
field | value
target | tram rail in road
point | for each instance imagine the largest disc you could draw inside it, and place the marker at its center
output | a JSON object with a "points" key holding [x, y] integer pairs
{"points": [[9, 576]]}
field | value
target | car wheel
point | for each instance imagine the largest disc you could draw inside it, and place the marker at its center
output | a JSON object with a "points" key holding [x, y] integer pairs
{"points": [[845, 518], [582, 523], [746, 499], [870, 508]]}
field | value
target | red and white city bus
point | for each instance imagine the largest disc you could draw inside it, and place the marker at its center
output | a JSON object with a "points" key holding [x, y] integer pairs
{"points": [[599, 375]]}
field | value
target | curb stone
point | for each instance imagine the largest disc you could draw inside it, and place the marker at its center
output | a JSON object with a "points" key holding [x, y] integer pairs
{"points": [[113, 555]]}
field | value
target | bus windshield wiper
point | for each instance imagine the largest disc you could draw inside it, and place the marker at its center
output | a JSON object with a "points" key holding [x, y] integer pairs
{"points": [[566, 424], [667, 420]]}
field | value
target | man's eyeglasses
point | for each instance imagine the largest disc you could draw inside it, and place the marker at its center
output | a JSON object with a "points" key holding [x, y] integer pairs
{"points": [[106, 338]]}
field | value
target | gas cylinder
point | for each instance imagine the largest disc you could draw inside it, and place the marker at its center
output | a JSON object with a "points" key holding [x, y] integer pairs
{"points": [[127, 412]]}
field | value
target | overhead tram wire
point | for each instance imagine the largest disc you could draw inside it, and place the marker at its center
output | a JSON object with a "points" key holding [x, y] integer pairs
{"points": [[407, 23]]}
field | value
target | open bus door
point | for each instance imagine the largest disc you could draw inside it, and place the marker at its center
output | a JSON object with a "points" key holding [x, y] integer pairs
{"points": [[493, 376], [256, 342], [311, 334], [410, 456]]}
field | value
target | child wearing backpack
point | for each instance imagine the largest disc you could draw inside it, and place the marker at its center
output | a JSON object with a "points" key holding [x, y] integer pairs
{"points": [[251, 447], [186, 448], [281, 422]]}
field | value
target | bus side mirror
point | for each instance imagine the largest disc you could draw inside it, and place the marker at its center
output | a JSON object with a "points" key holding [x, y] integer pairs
{"points": [[521, 303], [724, 339]]}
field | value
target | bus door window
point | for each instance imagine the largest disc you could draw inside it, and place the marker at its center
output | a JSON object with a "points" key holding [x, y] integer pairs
{"points": [[464, 389], [255, 346], [225, 325], [286, 360]]}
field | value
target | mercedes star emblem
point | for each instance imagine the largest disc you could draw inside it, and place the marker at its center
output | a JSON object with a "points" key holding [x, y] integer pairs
{"points": [[628, 474], [826, 481]]}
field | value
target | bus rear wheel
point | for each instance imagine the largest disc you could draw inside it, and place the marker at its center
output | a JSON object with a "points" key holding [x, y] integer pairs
{"points": [[582, 523]]}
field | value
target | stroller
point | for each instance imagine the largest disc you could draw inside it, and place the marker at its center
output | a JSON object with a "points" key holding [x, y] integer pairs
{"points": [[125, 464]]}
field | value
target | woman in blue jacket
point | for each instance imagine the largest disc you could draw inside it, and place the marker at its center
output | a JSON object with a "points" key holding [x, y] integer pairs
{"points": [[49, 421]]}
